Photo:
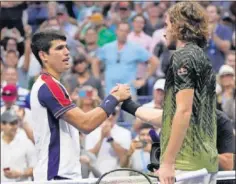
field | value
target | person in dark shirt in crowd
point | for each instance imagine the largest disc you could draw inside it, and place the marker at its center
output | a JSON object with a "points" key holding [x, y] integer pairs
{"points": [[219, 40], [225, 141]]}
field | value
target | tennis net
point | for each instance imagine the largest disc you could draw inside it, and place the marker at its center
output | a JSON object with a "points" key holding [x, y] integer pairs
{"points": [[223, 177]]}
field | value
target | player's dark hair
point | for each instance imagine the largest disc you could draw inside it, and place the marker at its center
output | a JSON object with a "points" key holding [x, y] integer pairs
{"points": [[189, 23], [145, 126], [41, 41]]}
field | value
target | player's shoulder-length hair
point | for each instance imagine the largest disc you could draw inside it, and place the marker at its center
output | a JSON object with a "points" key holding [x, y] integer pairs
{"points": [[189, 22]]}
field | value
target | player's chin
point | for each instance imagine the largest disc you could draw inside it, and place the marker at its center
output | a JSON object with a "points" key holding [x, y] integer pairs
{"points": [[66, 66]]}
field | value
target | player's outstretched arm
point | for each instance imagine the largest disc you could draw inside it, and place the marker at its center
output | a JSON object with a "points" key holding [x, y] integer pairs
{"points": [[149, 115], [87, 122]]}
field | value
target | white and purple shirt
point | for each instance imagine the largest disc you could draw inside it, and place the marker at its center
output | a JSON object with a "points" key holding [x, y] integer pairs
{"points": [[56, 141]]}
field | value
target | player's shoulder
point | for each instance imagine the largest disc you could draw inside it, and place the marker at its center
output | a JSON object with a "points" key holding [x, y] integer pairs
{"points": [[191, 52]]}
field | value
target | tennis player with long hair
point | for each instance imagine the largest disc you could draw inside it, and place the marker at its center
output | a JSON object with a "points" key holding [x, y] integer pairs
{"points": [[56, 119], [188, 135]]}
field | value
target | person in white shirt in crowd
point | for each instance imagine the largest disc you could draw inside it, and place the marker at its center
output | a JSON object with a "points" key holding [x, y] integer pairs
{"points": [[157, 102], [227, 82], [109, 142], [9, 97], [138, 156], [11, 77], [18, 155]]}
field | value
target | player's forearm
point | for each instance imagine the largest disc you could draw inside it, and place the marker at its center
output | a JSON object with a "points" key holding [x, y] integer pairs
{"points": [[152, 116], [178, 131], [87, 122], [90, 120], [149, 115], [226, 161]]}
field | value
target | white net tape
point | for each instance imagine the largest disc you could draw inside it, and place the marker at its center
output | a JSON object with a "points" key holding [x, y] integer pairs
{"points": [[222, 175]]}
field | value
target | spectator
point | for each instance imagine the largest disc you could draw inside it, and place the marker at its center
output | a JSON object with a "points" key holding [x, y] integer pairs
{"points": [[11, 78], [90, 45], [227, 82], [109, 143], [229, 107], [82, 77], [125, 12], [28, 65], [68, 26], [230, 59], [121, 59], [225, 141], [9, 97], [11, 58], [158, 95], [104, 35], [219, 40], [139, 37], [18, 154], [11, 15], [154, 22], [37, 14], [138, 156], [12, 40]]}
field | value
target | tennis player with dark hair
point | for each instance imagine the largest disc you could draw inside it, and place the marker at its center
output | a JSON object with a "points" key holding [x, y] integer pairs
{"points": [[56, 119], [188, 135]]}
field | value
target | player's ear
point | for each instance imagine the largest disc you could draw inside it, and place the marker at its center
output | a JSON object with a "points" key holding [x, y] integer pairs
{"points": [[43, 56]]}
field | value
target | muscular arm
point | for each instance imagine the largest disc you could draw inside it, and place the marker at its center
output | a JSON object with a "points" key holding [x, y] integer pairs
{"points": [[184, 100], [149, 115], [85, 122]]}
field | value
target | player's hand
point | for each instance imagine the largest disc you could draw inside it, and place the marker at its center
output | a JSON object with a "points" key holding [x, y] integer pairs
{"points": [[12, 174], [167, 173], [122, 92]]}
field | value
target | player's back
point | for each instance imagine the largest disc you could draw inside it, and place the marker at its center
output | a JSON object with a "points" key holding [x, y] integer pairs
{"points": [[56, 141], [190, 69]]}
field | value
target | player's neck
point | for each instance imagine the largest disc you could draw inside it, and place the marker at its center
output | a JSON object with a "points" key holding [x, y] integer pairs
{"points": [[180, 44], [56, 75]]}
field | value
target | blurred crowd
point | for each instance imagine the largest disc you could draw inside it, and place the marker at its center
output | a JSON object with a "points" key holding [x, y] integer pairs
{"points": [[109, 43]]}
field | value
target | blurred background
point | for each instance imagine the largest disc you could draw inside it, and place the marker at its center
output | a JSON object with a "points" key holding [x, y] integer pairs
{"points": [[93, 30]]}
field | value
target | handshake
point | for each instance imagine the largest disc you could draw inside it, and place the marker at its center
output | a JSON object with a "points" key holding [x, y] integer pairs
{"points": [[121, 92]]}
